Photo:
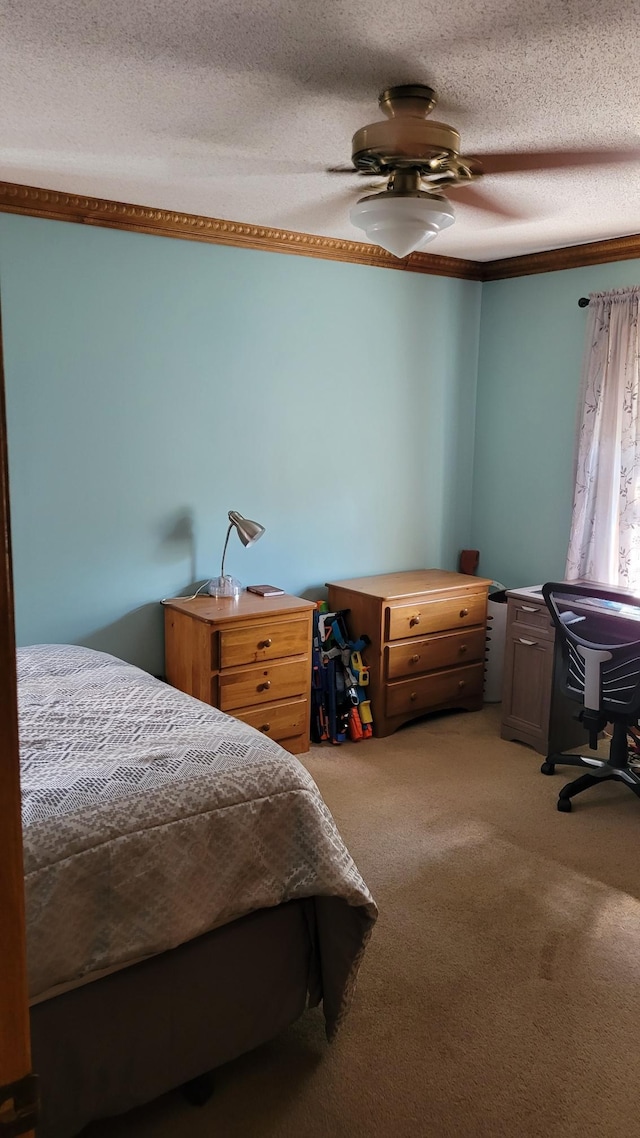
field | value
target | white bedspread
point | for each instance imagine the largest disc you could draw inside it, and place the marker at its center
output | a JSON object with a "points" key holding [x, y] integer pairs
{"points": [[150, 818]]}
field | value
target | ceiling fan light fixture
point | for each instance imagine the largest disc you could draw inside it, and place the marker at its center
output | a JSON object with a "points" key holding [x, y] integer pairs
{"points": [[402, 224]]}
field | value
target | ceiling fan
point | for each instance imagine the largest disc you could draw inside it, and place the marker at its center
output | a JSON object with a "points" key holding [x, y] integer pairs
{"points": [[421, 159]]}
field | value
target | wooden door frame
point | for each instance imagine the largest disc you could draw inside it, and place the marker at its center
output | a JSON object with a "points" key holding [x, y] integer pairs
{"points": [[15, 1046]]}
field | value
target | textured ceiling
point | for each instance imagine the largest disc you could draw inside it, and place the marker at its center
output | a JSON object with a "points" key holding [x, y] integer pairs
{"points": [[233, 108]]}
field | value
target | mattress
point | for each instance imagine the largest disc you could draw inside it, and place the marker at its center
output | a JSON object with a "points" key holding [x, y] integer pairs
{"points": [[150, 818]]}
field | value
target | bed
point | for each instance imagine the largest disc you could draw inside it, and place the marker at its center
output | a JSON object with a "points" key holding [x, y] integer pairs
{"points": [[187, 891]]}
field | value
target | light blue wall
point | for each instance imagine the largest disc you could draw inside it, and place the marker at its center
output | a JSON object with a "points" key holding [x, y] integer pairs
{"points": [[531, 348], [153, 384]]}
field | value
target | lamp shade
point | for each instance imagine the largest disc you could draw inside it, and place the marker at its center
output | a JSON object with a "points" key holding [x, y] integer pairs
{"points": [[248, 531], [402, 223]]}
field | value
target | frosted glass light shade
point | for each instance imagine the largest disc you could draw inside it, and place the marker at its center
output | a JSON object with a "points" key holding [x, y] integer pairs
{"points": [[402, 224]]}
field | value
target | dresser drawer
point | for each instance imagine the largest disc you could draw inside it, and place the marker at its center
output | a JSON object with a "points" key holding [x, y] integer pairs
{"points": [[251, 686], [268, 641], [412, 696], [441, 651], [278, 721], [525, 616], [436, 615]]}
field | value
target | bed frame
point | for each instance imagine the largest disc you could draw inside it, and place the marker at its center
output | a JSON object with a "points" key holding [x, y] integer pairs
{"points": [[120, 1041]]}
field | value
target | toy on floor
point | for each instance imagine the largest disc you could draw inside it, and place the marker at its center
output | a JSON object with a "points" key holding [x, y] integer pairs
{"points": [[340, 708]]}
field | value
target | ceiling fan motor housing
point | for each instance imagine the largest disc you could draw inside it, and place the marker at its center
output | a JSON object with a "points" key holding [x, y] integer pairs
{"points": [[407, 138], [384, 146]]}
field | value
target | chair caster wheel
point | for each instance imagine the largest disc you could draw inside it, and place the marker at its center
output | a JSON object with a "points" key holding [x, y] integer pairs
{"points": [[547, 768], [564, 805]]}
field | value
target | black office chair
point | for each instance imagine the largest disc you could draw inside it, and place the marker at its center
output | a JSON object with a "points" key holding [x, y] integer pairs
{"points": [[598, 632]]}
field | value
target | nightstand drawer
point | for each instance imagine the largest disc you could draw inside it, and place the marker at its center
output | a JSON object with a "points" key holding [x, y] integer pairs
{"points": [[268, 641], [278, 721], [436, 616], [252, 686], [442, 651], [425, 692]]}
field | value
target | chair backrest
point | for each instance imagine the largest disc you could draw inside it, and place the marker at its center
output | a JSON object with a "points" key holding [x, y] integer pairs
{"points": [[599, 634]]}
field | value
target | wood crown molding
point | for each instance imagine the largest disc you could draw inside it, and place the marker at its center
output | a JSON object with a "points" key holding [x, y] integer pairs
{"points": [[61, 206], [572, 257]]}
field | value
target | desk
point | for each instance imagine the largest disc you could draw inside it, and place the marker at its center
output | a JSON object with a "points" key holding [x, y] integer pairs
{"points": [[534, 709], [600, 620]]}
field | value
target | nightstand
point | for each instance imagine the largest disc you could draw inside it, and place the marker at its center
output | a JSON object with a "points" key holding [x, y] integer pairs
{"points": [[249, 656]]}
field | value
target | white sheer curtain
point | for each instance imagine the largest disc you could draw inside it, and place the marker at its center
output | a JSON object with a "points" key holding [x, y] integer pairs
{"points": [[605, 529]]}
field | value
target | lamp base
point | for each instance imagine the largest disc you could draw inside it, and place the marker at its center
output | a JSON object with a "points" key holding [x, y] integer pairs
{"points": [[224, 586]]}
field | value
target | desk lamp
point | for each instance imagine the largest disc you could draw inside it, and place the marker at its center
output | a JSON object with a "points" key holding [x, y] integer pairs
{"points": [[248, 532]]}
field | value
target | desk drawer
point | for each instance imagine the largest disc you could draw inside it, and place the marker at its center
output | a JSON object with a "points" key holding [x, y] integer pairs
{"points": [[268, 641], [278, 721], [415, 656], [436, 616], [527, 616], [413, 696], [251, 686]]}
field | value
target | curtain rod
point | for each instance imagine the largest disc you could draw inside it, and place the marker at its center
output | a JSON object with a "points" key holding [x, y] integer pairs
{"points": [[583, 302]]}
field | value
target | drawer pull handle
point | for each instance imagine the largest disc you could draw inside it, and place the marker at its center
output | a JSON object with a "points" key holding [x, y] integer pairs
{"points": [[265, 686], [462, 648], [414, 620], [413, 696], [414, 659], [529, 608], [531, 643], [461, 683], [265, 727], [265, 643], [464, 612]]}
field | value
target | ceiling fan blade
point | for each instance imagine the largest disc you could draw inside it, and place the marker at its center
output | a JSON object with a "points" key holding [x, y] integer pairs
{"points": [[472, 195], [204, 170], [348, 168], [359, 72], [210, 160], [512, 162], [324, 213]]}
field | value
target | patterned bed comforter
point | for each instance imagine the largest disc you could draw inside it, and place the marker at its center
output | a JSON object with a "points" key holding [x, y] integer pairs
{"points": [[150, 818]]}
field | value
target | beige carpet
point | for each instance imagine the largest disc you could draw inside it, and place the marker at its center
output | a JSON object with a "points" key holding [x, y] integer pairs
{"points": [[500, 994]]}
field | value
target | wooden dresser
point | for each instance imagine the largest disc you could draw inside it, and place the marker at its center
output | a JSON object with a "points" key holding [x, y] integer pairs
{"points": [[427, 629], [248, 655]]}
